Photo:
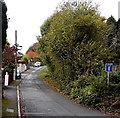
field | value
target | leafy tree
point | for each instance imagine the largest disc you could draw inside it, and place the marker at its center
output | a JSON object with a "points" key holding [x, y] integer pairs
{"points": [[113, 40], [75, 48], [73, 41], [25, 58], [111, 20], [33, 53], [8, 60]]}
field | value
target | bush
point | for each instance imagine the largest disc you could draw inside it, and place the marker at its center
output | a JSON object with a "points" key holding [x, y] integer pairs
{"points": [[89, 97], [115, 77], [75, 92], [99, 84], [87, 90]]}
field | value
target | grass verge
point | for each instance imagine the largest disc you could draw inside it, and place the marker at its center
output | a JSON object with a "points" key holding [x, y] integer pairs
{"points": [[44, 74], [47, 79], [8, 104], [15, 83]]}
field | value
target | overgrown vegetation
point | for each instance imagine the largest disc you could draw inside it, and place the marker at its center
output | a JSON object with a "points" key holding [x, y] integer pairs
{"points": [[6, 103], [76, 43]]}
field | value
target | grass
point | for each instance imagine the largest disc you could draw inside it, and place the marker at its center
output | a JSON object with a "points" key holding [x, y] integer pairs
{"points": [[44, 74], [8, 103], [15, 83], [46, 77]]}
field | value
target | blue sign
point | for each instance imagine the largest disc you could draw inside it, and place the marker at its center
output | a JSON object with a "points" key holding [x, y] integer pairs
{"points": [[108, 67]]}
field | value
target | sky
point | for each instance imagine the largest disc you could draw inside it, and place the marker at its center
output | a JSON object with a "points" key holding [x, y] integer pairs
{"points": [[26, 16]]}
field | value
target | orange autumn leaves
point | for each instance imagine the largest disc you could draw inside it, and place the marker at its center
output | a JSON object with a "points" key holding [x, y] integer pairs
{"points": [[32, 54]]}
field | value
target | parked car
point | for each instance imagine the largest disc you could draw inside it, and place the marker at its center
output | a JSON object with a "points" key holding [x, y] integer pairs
{"points": [[37, 64], [18, 75]]}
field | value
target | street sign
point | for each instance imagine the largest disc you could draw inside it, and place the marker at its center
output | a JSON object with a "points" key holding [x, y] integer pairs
{"points": [[109, 67]]}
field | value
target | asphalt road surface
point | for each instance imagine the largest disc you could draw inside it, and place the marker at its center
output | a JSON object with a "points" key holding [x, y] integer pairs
{"points": [[41, 100]]}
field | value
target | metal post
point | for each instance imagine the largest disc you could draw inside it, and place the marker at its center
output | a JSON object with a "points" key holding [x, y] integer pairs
{"points": [[108, 77]]}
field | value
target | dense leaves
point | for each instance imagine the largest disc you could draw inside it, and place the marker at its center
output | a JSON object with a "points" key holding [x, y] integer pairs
{"points": [[75, 44], [25, 58], [73, 41], [8, 58], [113, 40], [33, 53]]}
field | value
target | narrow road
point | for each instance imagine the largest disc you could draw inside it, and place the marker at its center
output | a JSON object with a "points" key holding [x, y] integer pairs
{"points": [[40, 100]]}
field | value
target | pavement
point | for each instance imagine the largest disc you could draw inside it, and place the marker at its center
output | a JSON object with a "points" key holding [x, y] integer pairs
{"points": [[10, 101]]}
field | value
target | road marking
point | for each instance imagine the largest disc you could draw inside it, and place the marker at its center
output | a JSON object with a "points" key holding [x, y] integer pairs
{"points": [[18, 100], [33, 113], [10, 110], [24, 74]]}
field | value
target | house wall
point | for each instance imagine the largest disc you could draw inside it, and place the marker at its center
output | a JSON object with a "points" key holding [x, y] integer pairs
{"points": [[22, 67]]}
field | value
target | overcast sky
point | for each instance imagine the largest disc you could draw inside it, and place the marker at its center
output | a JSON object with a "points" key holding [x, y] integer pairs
{"points": [[26, 16]]}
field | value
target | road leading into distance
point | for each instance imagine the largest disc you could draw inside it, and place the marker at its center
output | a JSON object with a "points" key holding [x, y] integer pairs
{"points": [[41, 100]]}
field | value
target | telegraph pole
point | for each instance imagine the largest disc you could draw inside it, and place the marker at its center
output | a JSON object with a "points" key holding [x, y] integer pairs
{"points": [[16, 54]]}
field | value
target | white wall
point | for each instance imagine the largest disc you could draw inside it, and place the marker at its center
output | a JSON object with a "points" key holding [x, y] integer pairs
{"points": [[22, 67]]}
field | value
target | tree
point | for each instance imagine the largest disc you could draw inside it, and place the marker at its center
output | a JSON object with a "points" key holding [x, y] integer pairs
{"points": [[25, 58], [8, 58], [8, 62], [33, 53], [73, 41], [113, 40]]}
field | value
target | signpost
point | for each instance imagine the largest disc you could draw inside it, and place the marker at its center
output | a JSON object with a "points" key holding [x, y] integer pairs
{"points": [[108, 68]]}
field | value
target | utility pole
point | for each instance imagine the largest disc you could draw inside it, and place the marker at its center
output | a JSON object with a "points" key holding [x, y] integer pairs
{"points": [[16, 54]]}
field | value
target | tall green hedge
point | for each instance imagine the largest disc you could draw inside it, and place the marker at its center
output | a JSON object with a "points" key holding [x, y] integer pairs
{"points": [[73, 42]]}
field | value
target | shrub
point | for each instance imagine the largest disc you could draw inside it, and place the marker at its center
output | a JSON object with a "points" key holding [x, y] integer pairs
{"points": [[75, 92], [88, 96], [115, 77]]}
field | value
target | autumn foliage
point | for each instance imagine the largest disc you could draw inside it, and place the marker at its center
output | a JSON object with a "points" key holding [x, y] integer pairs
{"points": [[9, 55], [32, 54]]}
